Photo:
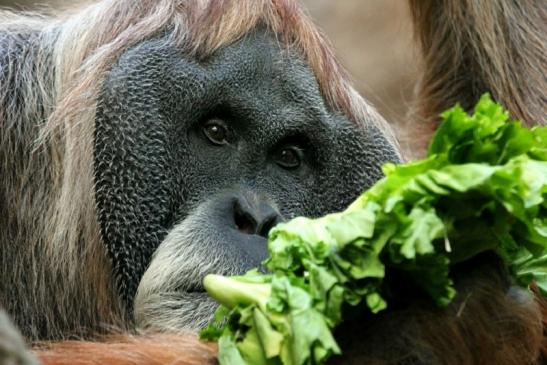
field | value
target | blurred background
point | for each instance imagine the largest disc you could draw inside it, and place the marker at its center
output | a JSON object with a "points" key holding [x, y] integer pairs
{"points": [[372, 38]]}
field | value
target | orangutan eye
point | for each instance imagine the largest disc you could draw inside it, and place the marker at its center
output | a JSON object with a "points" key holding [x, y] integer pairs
{"points": [[216, 132], [289, 157]]}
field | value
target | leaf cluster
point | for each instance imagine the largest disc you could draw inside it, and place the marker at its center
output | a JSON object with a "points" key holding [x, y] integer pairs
{"points": [[483, 187]]}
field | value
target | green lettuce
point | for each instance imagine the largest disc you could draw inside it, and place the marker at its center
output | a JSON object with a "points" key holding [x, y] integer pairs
{"points": [[483, 187]]}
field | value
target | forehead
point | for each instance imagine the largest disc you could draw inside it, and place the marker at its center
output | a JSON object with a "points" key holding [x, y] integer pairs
{"points": [[256, 76], [259, 71], [259, 56], [256, 67]]}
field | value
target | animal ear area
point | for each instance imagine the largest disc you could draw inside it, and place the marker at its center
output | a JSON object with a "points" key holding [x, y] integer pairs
{"points": [[157, 349], [12, 346]]}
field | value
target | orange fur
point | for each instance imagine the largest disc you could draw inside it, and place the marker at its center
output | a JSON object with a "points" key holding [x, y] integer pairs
{"points": [[470, 47], [542, 301], [159, 349]]}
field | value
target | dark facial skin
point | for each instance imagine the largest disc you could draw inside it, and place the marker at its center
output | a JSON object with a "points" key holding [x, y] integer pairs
{"points": [[245, 130]]}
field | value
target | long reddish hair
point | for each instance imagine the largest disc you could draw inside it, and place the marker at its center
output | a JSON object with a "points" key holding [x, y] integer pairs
{"points": [[159, 349]]}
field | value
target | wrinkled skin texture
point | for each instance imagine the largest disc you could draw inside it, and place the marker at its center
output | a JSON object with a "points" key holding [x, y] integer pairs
{"points": [[157, 172]]}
